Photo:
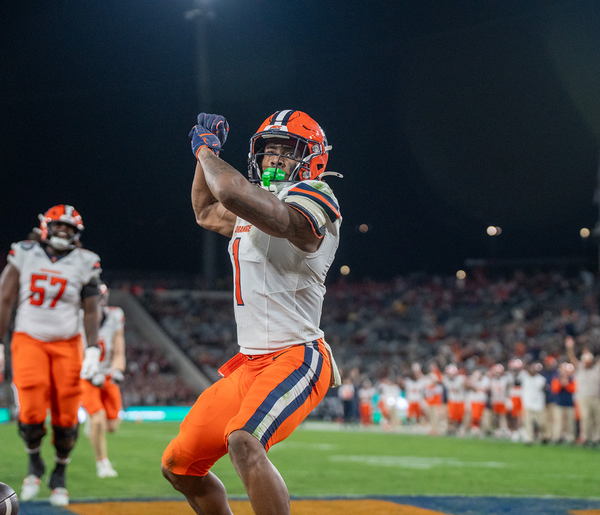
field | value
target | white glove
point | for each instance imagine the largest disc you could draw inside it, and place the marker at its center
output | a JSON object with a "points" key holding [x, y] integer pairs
{"points": [[91, 361], [117, 376], [98, 379]]}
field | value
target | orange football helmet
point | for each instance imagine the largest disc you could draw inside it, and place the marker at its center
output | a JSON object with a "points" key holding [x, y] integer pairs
{"points": [[65, 214], [304, 134]]}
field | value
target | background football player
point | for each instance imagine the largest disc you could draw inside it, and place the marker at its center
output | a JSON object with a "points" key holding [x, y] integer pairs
{"points": [[50, 281], [101, 395], [284, 234]]}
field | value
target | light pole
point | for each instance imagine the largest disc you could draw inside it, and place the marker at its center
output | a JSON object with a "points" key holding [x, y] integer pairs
{"points": [[201, 16]]}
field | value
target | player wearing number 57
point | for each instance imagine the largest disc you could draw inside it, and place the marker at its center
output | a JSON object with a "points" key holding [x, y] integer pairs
{"points": [[50, 281]]}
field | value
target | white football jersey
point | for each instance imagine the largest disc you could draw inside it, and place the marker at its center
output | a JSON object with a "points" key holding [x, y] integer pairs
{"points": [[278, 288], [455, 388], [499, 389], [113, 320], [480, 390], [50, 290], [414, 390]]}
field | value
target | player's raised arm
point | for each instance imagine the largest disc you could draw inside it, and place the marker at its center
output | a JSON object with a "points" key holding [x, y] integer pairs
{"points": [[570, 348], [259, 207], [278, 159], [210, 213]]}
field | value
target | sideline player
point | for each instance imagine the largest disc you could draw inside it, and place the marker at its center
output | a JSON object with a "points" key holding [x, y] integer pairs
{"points": [[101, 396], [284, 232], [51, 281], [499, 384], [414, 389], [455, 390]]}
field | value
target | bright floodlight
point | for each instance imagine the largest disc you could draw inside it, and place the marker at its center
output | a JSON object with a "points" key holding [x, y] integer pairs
{"points": [[345, 270], [461, 274], [491, 230], [363, 228], [584, 233]]}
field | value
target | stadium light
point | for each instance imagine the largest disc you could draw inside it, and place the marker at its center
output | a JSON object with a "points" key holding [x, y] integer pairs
{"points": [[345, 270], [461, 274], [584, 232], [494, 230]]}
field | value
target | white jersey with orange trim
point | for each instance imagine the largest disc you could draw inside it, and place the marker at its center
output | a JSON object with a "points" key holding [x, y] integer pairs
{"points": [[432, 388], [499, 389], [278, 288], [50, 289], [480, 392], [414, 390], [455, 388], [112, 321]]}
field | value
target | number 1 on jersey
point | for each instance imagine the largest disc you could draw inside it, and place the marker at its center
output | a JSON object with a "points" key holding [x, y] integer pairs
{"points": [[238, 281]]}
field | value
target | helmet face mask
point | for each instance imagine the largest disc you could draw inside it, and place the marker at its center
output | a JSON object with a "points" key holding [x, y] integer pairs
{"points": [[297, 130], [60, 214]]}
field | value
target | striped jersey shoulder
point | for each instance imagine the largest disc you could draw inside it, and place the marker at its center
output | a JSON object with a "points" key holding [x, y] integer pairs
{"points": [[320, 193]]}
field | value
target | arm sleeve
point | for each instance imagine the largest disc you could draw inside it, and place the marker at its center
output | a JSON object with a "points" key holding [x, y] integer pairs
{"points": [[92, 288]]}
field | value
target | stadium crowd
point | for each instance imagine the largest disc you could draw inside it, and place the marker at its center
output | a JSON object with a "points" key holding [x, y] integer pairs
{"points": [[383, 333], [411, 340]]}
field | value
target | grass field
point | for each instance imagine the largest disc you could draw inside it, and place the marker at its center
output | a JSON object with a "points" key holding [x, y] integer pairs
{"points": [[320, 462]]}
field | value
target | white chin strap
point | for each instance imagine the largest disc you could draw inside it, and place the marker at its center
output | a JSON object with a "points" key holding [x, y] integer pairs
{"points": [[275, 186], [59, 243]]}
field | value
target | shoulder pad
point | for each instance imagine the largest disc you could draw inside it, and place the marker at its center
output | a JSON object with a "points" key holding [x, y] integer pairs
{"points": [[26, 244], [318, 192]]}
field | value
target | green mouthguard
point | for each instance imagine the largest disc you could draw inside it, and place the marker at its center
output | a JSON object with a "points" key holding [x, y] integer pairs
{"points": [[272, 174]]}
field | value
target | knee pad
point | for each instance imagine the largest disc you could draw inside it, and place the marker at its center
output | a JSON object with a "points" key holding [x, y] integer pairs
{"points": [[65, 438], [32, 433]]}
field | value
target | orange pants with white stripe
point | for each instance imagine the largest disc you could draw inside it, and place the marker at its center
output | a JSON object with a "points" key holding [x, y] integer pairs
{"points": [[46, 375], [267, 396]]}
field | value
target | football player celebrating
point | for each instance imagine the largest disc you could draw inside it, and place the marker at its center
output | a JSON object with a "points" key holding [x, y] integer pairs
{"points": [[101, 396], [284, 227], [51, 281]]}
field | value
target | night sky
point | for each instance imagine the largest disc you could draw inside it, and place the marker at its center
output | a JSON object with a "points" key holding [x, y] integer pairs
{"points": [[445, 117]]}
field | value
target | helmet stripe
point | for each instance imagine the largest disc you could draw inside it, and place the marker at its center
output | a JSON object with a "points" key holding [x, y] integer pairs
{"points": [[282, 117]]}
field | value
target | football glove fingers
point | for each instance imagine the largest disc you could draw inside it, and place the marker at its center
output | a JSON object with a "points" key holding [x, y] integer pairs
{"points": [[98, 379], [216, 124], [117, 376], [91, 361], [202, 138]]}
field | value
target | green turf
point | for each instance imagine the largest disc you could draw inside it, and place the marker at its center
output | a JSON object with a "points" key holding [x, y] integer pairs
{"points": [[324, 463]]}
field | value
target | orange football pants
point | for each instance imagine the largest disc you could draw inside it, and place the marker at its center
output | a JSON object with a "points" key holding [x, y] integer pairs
{"points": [[414, 410], [499, 408], [46, 374], [456, 411], [517, 406], [267, 396], [477, 409], [106, 397]]}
